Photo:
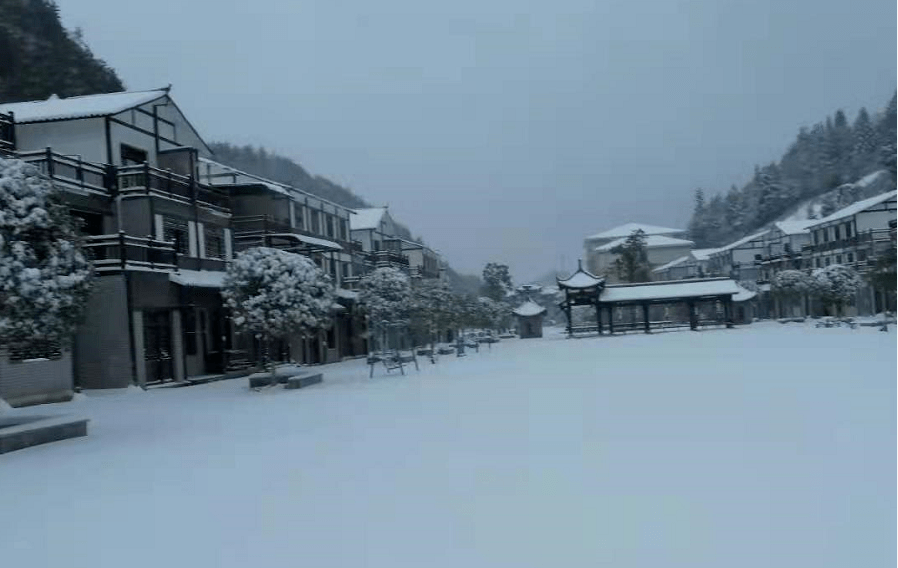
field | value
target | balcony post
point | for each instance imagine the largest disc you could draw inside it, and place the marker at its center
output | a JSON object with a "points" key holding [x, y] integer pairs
{"points": [[121, 251], [51, 170], [146, 177]]}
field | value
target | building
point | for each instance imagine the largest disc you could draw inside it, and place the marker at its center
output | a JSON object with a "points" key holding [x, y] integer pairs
{"points": [[692, 265], [381, 245], [855, 236], [662, 246], [529, 316], [739, 259], [162, 220]]}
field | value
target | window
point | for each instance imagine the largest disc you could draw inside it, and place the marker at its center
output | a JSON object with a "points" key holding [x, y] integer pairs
{"points": [[343, 232], [861, 255], [827, 261], [851, 257], [175, 230], [838, 259], [376, 245], [848, 230], [315, 222], [836, 233], [298, 212], [131, 156], [825, 233], [215, 245], [333, 270], [817, 262]]}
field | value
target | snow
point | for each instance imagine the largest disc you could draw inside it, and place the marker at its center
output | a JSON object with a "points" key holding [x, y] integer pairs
{"points": [[55, 108], [651, 241], [314, 241], [580, 279], [794, 227], [738, 448], [870, 178], [740, 242], [365, 219], [627, 229], [703, 254], [346, 294], [528, 308], [672, 263], [665, 290], [855, 208], [198, 278]]}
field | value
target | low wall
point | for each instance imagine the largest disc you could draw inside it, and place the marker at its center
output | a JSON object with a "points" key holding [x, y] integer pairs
{"points": [[36, 381]]}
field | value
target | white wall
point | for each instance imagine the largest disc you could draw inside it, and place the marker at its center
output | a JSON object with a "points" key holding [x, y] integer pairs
{"points": [[85, 138], [875, 219]]}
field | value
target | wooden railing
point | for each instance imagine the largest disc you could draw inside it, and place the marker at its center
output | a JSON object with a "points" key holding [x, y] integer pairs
{"points": [[144, 178], [120, 252], [70, 171]]}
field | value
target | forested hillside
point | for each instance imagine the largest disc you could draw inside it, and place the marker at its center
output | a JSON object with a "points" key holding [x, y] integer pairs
{"points": [[822, 163], [39, 57]]}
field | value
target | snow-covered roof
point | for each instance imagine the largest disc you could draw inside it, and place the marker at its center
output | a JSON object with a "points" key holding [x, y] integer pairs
{"points": [[366, 218], [580, 279], [627, 229], [198, 278], [651, 241], [855, 208], [347, 294], [793, 227], [670, 290], [702, 254], [672, 263], [740, 242], [869, 178], [528, 308], [85, 106], [744, 295], [314, 241]]}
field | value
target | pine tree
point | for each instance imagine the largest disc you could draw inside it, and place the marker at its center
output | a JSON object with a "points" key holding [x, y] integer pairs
{"points": [[496, 281], [863, 146], [698, 232], [632, 264]]}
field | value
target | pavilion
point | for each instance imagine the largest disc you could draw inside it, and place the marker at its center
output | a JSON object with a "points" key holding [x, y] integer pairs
{"points": [[651, 305]]}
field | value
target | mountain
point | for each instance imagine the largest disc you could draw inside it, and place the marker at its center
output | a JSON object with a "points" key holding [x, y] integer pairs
{"points": [[823, 168], [39, 57]]}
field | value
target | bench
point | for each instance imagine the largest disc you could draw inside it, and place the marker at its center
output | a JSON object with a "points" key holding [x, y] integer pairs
{"points": [[300, 381]]}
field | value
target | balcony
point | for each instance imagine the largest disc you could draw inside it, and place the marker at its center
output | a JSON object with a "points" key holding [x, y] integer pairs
{"points": [[385, 258], [117, 252], [70, 172], [145, 179]]}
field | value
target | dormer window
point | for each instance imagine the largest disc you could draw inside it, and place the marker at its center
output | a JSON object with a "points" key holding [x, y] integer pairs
{"points": [[131, 156]]}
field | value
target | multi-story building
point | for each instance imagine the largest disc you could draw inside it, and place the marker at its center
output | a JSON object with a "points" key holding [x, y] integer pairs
{"points": [[661, 245], [381, 245], [692, 265], [782, 250], [161, 220], [855, 236], [738, 260]]}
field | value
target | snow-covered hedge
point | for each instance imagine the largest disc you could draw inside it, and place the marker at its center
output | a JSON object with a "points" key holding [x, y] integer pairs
{"points": [[273, 293], [45, 277], [836, 284], [790, 284]]}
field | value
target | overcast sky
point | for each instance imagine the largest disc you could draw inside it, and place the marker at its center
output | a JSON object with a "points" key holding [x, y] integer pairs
{"points": [[507, 130]]}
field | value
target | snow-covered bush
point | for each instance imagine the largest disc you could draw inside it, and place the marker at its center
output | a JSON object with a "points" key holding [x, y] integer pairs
{"points": [[836, 285], [273, 293], [45, 278], [494, 315]]}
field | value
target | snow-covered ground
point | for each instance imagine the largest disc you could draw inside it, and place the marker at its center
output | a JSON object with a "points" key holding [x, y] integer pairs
{"points": [[769, 445]]}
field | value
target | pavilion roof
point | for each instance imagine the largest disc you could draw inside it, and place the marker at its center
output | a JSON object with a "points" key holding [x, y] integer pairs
{"points": [[671, 290], [528, 308], [580, 279]]}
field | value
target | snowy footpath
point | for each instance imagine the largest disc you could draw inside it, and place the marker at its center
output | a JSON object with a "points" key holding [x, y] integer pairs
{"points": [[768, 445]]}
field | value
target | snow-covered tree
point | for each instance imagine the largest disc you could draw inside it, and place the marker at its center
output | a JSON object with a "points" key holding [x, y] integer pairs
{"points": [[273, 293], [386, 296], [432, 310], [790, 286], [632, 264], [836, 285], [496, 281], [45, 278]]}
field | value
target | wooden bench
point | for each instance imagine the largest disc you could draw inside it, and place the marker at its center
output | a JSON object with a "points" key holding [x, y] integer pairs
{"points": [[300, 381]]}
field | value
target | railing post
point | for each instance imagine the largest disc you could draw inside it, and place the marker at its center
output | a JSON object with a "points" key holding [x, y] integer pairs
{"points": [[121, 250], [146, 178], [48, 152], [151, 251]]}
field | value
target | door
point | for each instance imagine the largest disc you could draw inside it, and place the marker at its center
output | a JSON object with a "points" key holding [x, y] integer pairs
{"points": [[157, 346]]}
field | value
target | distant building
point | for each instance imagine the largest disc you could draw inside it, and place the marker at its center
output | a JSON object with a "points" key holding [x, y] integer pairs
{"points": [[692, 265], [529, 317], [380, 245], [662, 244]]}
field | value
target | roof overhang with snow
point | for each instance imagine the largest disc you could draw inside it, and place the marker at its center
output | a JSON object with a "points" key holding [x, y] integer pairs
{"points": [[198, 278], [672, 291], [854, 209], [628, 229]]}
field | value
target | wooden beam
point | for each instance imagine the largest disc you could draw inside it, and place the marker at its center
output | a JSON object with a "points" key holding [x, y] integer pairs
{"points": [[645, 317]]}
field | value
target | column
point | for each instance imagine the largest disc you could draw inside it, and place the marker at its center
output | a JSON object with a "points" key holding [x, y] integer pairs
{"points": [[177, 346], [645, 318], [610, 320], [599, 317], [693, 320], [140, 366]]}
